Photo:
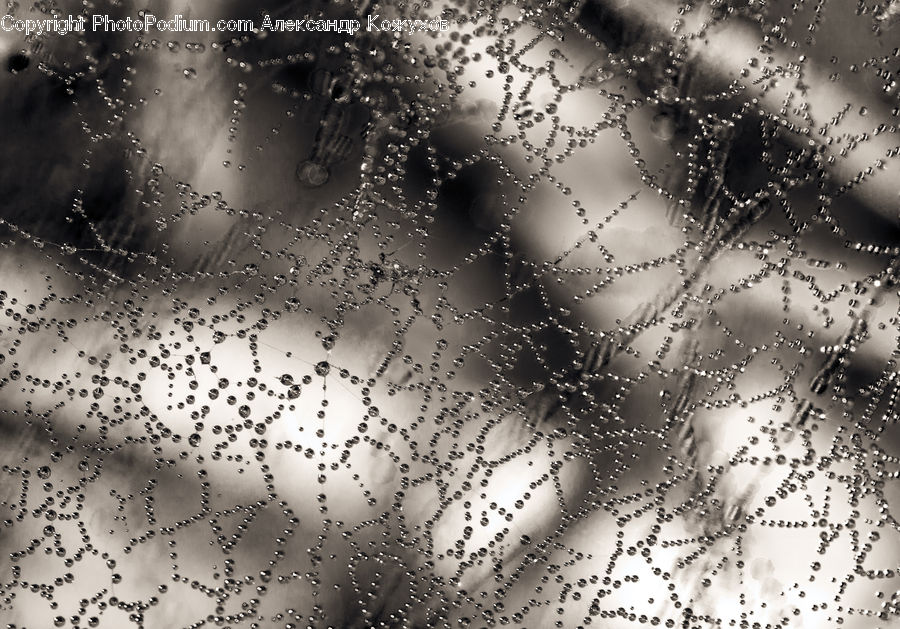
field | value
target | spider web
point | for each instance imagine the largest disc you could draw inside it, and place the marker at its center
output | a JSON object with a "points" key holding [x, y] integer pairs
{"points": [[574, 314]]}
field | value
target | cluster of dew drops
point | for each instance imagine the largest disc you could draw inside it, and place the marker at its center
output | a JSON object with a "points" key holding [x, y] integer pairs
{"points": [[193, 468]]}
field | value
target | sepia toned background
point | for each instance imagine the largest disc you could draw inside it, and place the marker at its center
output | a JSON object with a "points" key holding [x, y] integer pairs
{"points": [[577, 314]]}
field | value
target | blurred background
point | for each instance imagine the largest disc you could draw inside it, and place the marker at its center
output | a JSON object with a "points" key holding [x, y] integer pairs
{"points": [[573, 314]]}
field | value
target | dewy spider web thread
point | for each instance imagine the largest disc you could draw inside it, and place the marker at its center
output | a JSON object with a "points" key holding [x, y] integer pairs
{"points": [[483, 430]]}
